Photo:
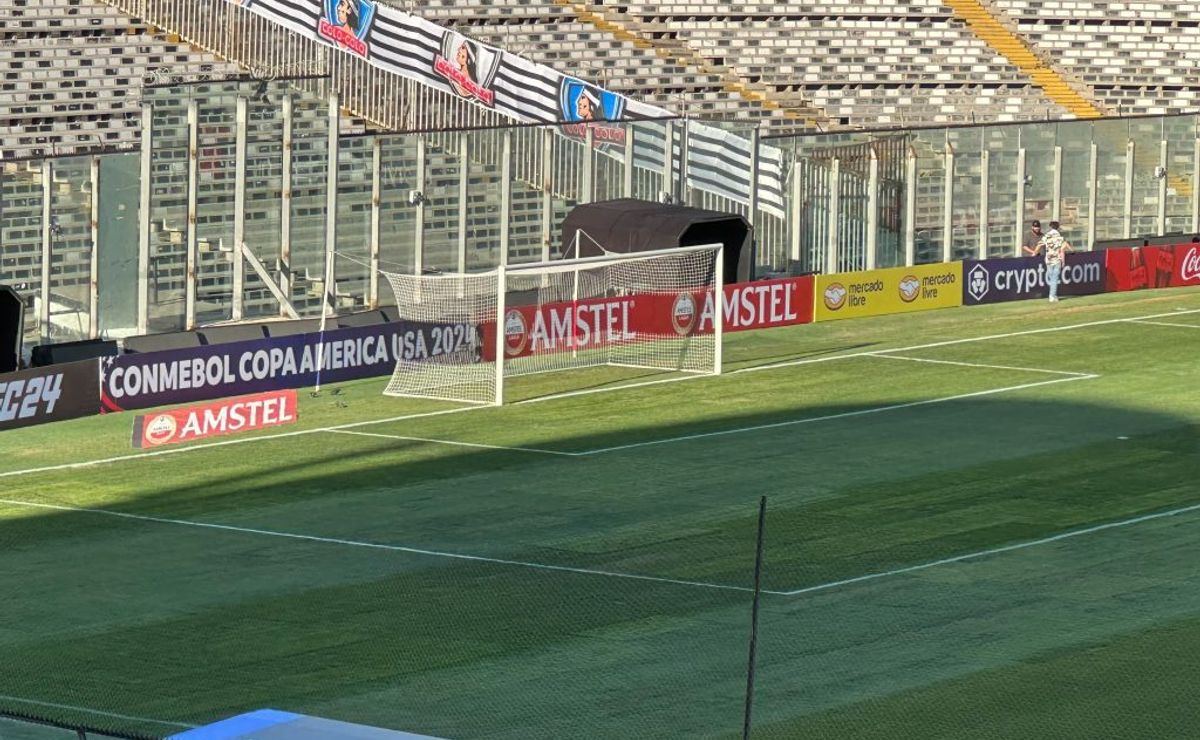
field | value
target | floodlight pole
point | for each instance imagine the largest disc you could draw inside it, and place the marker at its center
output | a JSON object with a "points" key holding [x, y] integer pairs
{"points": [[758, 558]]}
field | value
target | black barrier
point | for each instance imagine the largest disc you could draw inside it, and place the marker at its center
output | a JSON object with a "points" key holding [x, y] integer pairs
{"points": [[1021, 278], [65, 391], [12, 312]]}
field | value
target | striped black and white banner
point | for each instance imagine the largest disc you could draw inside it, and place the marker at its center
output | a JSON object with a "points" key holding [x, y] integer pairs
{"points": [[718, 161]]}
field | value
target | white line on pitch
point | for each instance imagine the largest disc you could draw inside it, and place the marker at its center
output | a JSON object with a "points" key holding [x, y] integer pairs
{"points": [[887, 355], [996, 550], [1165, 323], [453, 443], [97, 712], [833, 417], [376, 546], [590, 391], [950, 342]]}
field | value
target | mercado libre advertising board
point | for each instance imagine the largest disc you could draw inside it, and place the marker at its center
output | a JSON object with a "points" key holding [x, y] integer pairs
{"points": [[229, 416], [65, 391], [851, 295]]}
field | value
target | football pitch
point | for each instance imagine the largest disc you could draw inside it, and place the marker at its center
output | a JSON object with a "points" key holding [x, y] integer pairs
{"points": [[981, 522]]}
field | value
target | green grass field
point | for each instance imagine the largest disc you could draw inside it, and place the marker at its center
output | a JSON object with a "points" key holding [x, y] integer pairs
{"points": [[995, 538]]}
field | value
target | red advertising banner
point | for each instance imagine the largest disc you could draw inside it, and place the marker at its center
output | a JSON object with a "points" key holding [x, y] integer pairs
{"points": [[599, 322], [229, 416], [1134, 268]]}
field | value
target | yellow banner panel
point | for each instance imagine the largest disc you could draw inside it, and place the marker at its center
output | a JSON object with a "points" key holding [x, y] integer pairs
{"points": [[849, 295]]}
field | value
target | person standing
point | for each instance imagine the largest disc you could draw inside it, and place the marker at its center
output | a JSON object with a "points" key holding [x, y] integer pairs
{"points": [[1055, 248], [1034, 238]]}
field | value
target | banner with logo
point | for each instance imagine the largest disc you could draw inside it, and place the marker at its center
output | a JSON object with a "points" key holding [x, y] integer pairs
{"points": [[200, 373], [1135, 268], [1021, 278], [449, 61], [65, 391], [231, 416], [894, 290], [573, 326]]}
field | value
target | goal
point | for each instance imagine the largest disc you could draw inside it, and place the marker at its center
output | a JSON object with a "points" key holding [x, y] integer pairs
{"points": [[652, 310]]}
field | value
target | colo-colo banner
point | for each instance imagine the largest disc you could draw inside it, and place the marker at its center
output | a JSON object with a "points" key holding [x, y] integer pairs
{"points": [[441, 58], [65, 391], [1152, 267], [1020, 278], [200, 373], [601, 322], [894, 290]]}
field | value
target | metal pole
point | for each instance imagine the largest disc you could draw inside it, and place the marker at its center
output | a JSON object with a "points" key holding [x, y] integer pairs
{"points": [[1093, 183], [587, 185], [193, 188], [985, 159], [753, 659], [1058, 158], [329, 290], [239, 209], [94, 254], [681, 185], [376, 204], [547, 193], [752, 207], [835, 207], [1130, 151], [627, 173], [668, 172], [718, 311], [948, 206], [285, 206], [910, 208], [464, 197], [1163, 154], [419, 221], [143, 263], [1196, 189], [505, 193], [795, 214], [873, 211], [47, 248], [501, 287], [1020, 204]]}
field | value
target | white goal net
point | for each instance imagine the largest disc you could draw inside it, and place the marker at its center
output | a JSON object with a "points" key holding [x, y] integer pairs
{"points": [[652, 310]]}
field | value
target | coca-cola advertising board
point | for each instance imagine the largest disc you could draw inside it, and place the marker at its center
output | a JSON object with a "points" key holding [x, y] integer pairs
{"points": [[1135, 268]]}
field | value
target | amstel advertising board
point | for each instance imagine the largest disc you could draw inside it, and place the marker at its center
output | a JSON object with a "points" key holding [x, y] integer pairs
{"points": [[851, 295]]}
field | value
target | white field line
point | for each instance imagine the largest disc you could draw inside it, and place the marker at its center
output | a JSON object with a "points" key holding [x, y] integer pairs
{"points": [[950, 342], [454, 443], [555, 397], [886, 355], [374, 545], [97, 712], [996, 550], [845, 415], [1165, 323]]}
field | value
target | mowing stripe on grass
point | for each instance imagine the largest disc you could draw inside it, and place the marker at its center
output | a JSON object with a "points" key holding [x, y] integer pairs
{"points": [[373, 545], [97, 712], [950, 342], [886, 356], [1165, 323], [454, 443], [996, 550], [833, 417]]}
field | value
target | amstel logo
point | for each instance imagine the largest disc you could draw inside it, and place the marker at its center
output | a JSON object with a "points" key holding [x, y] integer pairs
{"points": [[910, 288], [161, 429], [835, 296], [683, 314], [516, 333]]}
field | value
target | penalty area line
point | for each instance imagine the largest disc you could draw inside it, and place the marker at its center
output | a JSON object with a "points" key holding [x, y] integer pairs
{"points": [[1165, 323], [378, 546], [844, 415], [886, 355], [996, 550], [89, 710], [453, 443]]}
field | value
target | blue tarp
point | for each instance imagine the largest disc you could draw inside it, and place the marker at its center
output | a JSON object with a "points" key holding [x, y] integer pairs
{"points": [[272, 724]]}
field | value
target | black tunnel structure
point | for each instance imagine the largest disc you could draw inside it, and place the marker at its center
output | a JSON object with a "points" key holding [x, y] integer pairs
{"points": [[628, 226], [12, 316]]}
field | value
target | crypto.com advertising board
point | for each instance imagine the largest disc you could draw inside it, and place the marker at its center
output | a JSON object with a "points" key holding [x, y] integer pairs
{"points": [[851, 295], [1021, 278]]}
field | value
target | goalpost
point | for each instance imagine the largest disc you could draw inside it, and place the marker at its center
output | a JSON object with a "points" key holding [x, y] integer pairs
{"points": [[657, 310]]}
